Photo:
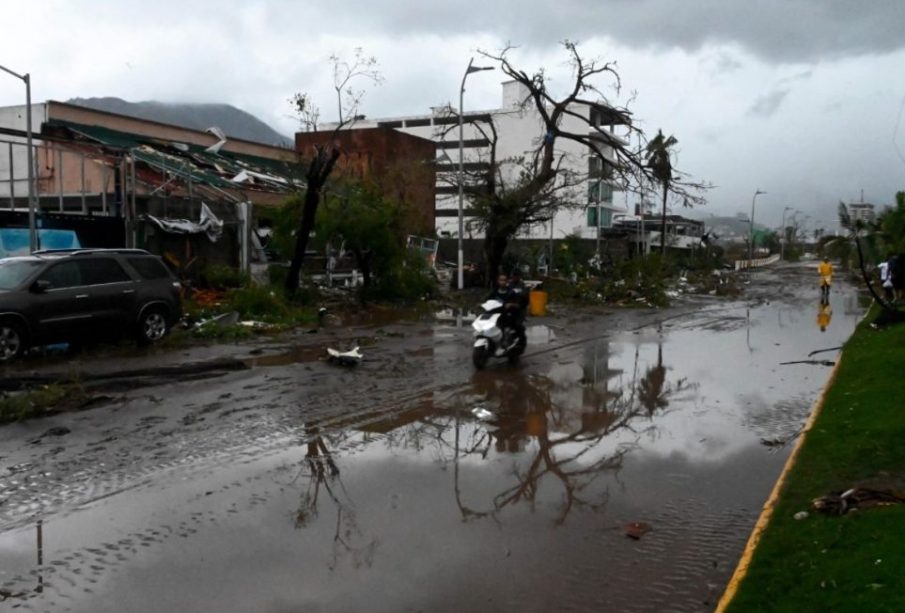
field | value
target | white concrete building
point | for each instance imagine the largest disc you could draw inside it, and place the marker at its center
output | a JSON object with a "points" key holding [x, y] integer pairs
{"points": [[861, 211], [520, 133]]}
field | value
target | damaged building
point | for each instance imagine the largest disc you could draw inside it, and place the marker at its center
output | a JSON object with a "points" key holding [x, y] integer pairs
{"points": [[109, 180]]}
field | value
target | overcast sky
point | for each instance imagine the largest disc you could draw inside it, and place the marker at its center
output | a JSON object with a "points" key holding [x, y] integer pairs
{"points": [[799, 98]]}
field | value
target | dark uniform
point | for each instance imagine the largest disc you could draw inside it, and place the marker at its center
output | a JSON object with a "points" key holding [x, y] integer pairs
{"points": [[517, 306]]}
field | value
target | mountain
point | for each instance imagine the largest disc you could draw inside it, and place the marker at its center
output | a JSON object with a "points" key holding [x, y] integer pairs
{"points": [[234, 122]]}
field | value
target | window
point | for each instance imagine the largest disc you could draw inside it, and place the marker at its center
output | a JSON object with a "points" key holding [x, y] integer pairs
{"points": [[62, 275], [14, 272], [598, 191], [99, 271], [606, 217], [149, 268]]}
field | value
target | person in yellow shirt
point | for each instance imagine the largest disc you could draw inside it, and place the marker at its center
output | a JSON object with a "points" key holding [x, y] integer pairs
{"points": [[825, 270]]}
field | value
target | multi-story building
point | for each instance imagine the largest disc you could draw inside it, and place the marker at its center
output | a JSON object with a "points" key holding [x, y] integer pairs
{"points": [[861, 211], [588, 203]]}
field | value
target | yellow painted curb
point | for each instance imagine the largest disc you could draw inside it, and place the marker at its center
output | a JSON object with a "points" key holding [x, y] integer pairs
{"points": [[767, 512]]}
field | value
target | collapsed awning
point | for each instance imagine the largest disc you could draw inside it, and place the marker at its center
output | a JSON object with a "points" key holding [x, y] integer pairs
{"points": [[208, 224]]}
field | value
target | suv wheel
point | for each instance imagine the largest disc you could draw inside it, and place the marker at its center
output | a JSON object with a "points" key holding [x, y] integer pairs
{"points": [[12, 341], [152, 326]]}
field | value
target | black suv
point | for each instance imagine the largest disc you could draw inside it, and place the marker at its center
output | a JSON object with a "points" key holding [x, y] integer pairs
{"points": [[82, 295]]}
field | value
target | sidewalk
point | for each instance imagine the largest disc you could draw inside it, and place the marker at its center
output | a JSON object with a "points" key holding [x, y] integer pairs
{"points": [[832, 561]]}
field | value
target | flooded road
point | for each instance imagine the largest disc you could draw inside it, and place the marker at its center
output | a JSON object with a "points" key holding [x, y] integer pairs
{"points": [[619, 467]]}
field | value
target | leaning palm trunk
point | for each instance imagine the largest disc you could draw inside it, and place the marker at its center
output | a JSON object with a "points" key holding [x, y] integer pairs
{"points": [[870, 287], [663, 220]]}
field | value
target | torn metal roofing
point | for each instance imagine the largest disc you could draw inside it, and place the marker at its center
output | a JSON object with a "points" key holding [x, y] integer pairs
{"points": [[223, 170]]}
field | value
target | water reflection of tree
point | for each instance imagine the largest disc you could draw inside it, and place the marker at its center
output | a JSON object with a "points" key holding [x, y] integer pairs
{"points": [[571, 453], [323, 474], [654, 392]]}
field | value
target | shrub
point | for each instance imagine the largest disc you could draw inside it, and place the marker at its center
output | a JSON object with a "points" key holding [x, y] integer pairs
{"points": [[407, 282], [224, 277], [258, 302]]}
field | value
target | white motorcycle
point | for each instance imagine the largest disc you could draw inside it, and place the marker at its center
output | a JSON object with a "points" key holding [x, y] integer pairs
{"points": [[492, 341]]}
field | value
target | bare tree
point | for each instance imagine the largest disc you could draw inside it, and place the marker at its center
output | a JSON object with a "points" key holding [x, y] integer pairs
{"points": [[348, 538], [321, 164], [533, 189]]}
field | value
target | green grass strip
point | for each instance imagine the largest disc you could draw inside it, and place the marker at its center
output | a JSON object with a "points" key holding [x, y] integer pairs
{"points": [[854, 562]]}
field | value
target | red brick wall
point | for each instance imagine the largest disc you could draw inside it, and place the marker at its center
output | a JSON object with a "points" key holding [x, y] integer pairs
{"points": [[399, 164]]}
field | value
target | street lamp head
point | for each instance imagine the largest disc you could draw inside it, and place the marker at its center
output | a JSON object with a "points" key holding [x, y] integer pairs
{"points": [[472, 69], [758, 192]]}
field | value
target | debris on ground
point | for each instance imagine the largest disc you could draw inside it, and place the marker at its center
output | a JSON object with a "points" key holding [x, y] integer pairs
{"points": [[636, 529], [801, 515], [840, 503], [208, 298], [482, 413], [817, 362], [224, 319], [815, 352], [345, 358], [772, 442], [257, 325]]}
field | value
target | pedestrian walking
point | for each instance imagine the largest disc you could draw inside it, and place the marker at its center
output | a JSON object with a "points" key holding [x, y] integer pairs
{"points": [[897, 270], [886, 280], [825, 270]]}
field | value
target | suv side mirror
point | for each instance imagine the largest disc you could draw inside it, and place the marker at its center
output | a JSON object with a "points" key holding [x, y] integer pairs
{"points": [[40, 286]]}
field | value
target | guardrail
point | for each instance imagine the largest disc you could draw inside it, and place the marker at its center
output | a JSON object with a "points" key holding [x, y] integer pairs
{"points": [[756, 263]]}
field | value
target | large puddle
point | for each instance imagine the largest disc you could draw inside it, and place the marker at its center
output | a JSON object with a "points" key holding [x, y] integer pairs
{"points": [[620, 473]]}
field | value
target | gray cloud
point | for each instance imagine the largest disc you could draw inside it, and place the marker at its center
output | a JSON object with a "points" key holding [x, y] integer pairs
{"points": [[776, 30], [768, 104], [725, 64]]}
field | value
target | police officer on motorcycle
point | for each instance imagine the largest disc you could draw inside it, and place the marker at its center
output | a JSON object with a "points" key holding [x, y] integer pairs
{"points": [[516, 304]]}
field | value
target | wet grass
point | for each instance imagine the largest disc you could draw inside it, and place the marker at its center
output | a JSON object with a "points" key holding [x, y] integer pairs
{"points": [[851, 562], [41, 401]]}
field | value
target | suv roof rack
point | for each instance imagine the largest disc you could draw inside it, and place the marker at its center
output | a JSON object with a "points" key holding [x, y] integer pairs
{"points": [[88, 251]]}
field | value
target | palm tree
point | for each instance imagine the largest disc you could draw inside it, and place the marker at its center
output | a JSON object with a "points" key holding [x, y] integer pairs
{"points": [[658, 160]]}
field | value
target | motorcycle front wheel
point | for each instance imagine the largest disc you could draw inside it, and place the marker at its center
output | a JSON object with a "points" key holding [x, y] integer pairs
{"points": [[479, 356]]}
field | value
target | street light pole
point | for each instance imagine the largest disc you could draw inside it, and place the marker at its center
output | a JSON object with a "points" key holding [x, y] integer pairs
{"points": [[782, 237], [461, 175], [751, 237], [32, 234]]}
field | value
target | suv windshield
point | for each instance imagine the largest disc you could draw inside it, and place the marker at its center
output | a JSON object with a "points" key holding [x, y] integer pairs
{"points": [[14, 272]]}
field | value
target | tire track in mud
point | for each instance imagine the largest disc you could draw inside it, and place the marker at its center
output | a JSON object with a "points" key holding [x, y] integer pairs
{"points": [[216, 427]]}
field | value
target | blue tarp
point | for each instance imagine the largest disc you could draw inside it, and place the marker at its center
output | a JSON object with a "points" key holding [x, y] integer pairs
{"points": [[14, 241]]}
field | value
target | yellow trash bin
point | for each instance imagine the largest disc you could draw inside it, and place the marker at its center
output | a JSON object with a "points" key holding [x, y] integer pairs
{"points": [[537, 303]]}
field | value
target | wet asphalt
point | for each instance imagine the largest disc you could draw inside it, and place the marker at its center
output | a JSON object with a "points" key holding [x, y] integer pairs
{"points": [[620, 466]]}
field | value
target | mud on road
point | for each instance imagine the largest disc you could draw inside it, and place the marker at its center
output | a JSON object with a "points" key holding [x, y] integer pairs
{"points": [[619, 467]]}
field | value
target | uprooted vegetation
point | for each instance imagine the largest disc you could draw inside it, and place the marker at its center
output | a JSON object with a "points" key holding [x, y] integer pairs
{"points": [[648, 281]]}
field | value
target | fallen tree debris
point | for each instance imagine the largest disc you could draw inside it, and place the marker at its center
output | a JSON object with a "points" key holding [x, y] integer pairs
{"points": [[840, 503]]}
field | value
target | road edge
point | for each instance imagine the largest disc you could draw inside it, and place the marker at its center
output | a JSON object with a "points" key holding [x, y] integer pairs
{"points": [[741, 569]]}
